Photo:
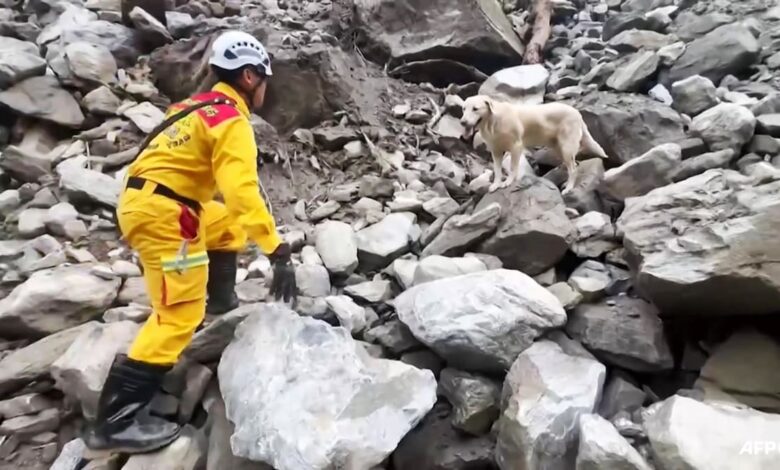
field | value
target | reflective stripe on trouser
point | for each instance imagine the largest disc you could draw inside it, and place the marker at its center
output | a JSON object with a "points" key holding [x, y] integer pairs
{"points": [[176, 285]]}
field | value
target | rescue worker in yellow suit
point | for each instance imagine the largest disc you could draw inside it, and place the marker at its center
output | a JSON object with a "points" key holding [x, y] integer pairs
{"points": [[167, 213]]}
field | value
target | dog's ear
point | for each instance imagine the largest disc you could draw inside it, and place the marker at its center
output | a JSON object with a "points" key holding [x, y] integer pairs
{"points": [[489, 106]]}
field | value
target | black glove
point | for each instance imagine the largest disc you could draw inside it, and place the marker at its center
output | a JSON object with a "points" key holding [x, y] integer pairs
{"points": [[283, 285]]}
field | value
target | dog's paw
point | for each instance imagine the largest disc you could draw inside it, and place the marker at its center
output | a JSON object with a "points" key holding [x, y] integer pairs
{"points": [[507, 183], [494, 187], [567, 189]]}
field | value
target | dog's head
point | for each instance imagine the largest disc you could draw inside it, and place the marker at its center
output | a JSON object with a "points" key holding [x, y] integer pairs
{"points": [[475, 109]]}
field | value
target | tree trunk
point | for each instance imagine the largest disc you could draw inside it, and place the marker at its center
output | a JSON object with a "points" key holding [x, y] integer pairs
{"points": [[541, 32]]}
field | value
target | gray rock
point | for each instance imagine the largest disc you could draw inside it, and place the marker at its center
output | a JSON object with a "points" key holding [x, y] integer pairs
{"points": [[460, 232], [661, 94], [475, 32], [70, 457], [54, 300], [620, 395], [725, 370], [24, 405], [769, 124], [133, 291], [154, 33], [595, 235], [101, 101], [623, 332], [619, 22], [591, 279], [379, 244], [58, 216], [312, 280], [691, 25], [424, 359], [523, 84], [440, 206], [207, 344], [534, 238], [133, 312], [545, 393], [671, 424], [43, 98], [45, 421], [435, 267], [475, 400], [393, 335], [371, 292], [727, 50], [764, 145], [336, 244], [452, 317], [33, 362], [566, 294], [371, 405], [91, 62], [25, 165], [197, 379], [435, 444], [770, 104], [182, 454], [9, 201], [633, 40], [84, 184], [351, 316], [81, 371], [601, 447], [634, 74], [701, 163], [627, 126], [694, 94], [19, 60], [681, 239], [726, 126], [587, 178], [643, 174]]}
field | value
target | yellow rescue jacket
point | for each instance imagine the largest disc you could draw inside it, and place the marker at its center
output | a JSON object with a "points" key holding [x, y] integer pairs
{"points": [[209, 149]]}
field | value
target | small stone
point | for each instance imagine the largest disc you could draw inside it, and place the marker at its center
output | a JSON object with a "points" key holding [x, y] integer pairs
{"points": [[524, 83], [567, 295], [602, 447], [372, 292], [769, 124], [46, 420], [101, 101], [416, 116], [324, 211], [726, 126], [633, 75], [145, 116], [694, 95], [394, 336], [24, 405], [475, 400], [350, 315], [591, 279], [9, 201], [154, 33], [32, 223], [312, 280], [196, 381], [133, 312], [336, 244]]}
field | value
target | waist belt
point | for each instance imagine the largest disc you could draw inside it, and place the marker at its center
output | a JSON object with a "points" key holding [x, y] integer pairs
{"points": [[135, 182]]}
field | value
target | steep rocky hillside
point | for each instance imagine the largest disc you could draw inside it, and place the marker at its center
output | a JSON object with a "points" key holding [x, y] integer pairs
{"points": [[630, 324]]}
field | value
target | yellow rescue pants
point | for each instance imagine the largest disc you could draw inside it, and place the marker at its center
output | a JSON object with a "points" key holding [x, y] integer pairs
{"points": [[176, 284]]}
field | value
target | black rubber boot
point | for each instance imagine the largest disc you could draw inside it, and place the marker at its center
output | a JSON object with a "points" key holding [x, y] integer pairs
{"points": [[221, 287], [123, 423]]}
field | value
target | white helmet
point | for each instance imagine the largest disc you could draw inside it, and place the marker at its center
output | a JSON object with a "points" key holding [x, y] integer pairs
{"points": [[235, 49]]}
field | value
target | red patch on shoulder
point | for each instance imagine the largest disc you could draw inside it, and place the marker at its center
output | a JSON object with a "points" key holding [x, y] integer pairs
{"points": [[212, 115]]}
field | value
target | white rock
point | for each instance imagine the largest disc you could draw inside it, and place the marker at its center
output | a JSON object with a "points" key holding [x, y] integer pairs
{"points": [[336, 244], [381, 243], [726, 126], [312, 398], [524, 83], [602, 447], [81, 371], [145, 116], [372, 291], [351, 315], [403, 271], [433, 268], [685, 433], [480, 321], [9, 201], [58, 216], [545, 393], [312, 280], [596, 235]]}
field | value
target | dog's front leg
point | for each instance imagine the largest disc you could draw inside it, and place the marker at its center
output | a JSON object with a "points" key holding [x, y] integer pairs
{"points": [[497, 171], [517, 154]]}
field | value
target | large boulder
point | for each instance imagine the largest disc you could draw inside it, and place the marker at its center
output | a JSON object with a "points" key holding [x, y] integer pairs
{"points": [[124, 43], [383, 242], [55, 299], [43, 98], [643, 174], [628, 125], [701, 246], [86, 185], [336, 244], [727, 50], [524, 84], [725, 126], [312, 398], [735, 437], [81, 371], [480, 321], [624, 332], [476, 33], [534, 232], [461, 231], [694, 94], [545, 393]]}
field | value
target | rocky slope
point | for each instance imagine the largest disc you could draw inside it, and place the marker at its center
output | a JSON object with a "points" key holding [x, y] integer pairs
{"points": [[438, 327]]}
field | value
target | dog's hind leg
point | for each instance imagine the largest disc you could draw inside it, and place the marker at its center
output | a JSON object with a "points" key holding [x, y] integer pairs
{"points": [[497, 171], [517, 154], [568, 148], [589, 145]]}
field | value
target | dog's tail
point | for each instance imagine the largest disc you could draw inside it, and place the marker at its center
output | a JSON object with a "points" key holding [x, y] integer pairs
{"points": [[589, 144]]}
